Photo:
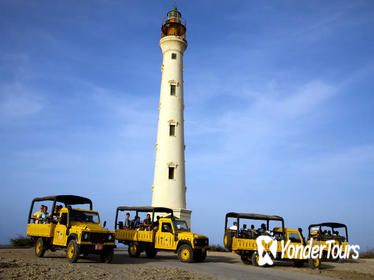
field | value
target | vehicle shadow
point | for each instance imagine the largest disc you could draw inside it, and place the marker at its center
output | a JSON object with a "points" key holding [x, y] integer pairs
{"points": [[170, 257], [290, 264]]}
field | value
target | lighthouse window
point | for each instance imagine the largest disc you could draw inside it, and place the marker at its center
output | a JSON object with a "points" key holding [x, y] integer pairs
{"points": [[172, 130], [172, 90], [173, 56], [171, 173]]}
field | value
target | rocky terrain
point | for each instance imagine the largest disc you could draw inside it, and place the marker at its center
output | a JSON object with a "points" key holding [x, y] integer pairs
{"points": [[22, 264]]}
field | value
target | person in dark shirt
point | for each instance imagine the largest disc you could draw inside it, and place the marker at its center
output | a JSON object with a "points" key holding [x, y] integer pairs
{"points": [[156, 224], [147, 222]]}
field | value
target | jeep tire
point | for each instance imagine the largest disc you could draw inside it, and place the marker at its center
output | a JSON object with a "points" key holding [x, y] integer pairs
{"points": [[72, 252], [106, 256], [39, 247], [134, 250], [314, 263], [246, 259], [199, 255], [298, 263], [255, 257], [151, 252], [185, 253]]}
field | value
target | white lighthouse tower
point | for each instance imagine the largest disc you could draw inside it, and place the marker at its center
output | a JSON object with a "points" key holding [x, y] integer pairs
{"points": [[169, 186]]}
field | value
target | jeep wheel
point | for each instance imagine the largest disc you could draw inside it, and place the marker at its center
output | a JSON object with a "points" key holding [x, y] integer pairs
{"points": [[199, 255], [246, 259], [150, 252], [314, 263], [227, 240], [134, 250], [39, 248], [255, 258], [106, 256], [298, 263], [185, 253], [72, 252]]}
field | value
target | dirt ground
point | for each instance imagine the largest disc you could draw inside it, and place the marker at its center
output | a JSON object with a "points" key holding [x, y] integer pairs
{"points": [[23, 264], [347, 270]]}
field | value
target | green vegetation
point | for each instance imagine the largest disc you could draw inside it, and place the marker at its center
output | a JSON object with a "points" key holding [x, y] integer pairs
{"points": [[217, 248], [22, 242]]}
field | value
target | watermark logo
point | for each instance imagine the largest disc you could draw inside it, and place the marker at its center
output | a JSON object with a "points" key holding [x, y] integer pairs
{"points": [[331, 249], [264, 256]]}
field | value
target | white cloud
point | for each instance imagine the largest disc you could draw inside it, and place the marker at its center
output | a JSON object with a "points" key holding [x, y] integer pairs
{"points": [[265, 120], [16, 102]]}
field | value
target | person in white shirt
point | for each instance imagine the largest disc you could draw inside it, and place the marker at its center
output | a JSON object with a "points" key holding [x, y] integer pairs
{"points": [[234, 226]]}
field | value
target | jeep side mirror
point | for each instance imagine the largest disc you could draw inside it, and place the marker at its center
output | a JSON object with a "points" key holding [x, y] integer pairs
{"points": [[104, 225]]}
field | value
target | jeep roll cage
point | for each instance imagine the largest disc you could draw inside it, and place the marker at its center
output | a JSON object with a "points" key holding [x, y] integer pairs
{"points": [[67, 200], [145, 209], [251, 216], [332, 225]]}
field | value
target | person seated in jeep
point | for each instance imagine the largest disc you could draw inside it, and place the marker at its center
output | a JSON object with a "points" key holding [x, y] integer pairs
{"points": [[37, 215], [56, 214], [156, 224], [262, 229], [253, 232], [137, 223], [147, 223], [44, 215], [234, 226], [127, 223]]}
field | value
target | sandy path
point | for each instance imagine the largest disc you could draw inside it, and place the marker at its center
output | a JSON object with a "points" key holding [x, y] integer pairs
{"points": [[23, 264]]}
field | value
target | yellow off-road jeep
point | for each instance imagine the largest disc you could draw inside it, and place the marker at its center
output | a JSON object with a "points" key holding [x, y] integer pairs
{"points": [[77, 231], [323, 232], [242, 241], [166, 233]]}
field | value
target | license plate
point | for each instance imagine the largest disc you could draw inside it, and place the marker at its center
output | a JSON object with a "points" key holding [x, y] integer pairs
{"points": [[99, 246]]}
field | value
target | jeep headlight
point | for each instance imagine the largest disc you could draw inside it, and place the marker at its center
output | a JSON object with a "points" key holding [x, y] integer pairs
{"points": [[85, 236], [110, 237]]}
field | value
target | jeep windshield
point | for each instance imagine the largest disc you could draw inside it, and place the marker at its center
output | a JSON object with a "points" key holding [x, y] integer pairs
{"points": [[84, 217], [180, 225]]}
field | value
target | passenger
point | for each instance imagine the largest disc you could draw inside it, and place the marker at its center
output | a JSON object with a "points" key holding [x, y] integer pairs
{"points": [[244, 231], [329, 233], [127, 221], [137, 222], [234, 226], [56, 214], [37, 215], [262, 229], [156, 224], [147, 222], [44, 215]]}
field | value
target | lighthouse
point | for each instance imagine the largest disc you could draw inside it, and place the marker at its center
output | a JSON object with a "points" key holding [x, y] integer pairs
{"points": [[169, 185]]}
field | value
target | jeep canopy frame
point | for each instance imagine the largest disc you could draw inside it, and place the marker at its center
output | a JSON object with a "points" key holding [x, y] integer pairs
{"points": [[251, 216], [67, 200], [144, 209], [332, 225]]}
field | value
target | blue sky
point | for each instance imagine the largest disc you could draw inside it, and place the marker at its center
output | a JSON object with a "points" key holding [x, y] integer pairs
{"points": [[279, 108]]}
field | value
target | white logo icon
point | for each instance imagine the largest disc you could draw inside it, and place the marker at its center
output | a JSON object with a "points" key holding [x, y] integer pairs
{"points": [[265, 258]]}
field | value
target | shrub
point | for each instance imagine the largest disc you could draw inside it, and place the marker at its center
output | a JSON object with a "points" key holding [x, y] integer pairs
{"points": [[217, 248], [22, 242]]}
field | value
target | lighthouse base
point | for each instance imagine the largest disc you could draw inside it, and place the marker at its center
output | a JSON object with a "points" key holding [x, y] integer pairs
{"points": [[183, 214]]}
